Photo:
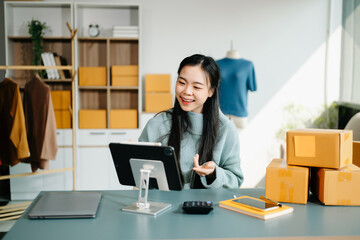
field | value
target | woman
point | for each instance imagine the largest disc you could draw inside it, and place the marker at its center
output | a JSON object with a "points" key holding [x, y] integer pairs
{"points": [[206, 143]]}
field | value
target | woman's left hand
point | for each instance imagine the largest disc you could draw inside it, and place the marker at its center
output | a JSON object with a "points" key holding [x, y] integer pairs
{"points": [[205, 169]]}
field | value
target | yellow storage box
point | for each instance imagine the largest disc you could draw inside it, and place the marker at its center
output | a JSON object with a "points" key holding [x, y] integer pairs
{"points": [[156, 102], [123, 118], [61, 100], [92, 76], [63, 119], [92, 119], [158, 83]]}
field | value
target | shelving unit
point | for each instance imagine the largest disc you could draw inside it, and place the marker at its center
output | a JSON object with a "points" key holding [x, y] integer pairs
{"points": [[105, 51], [19, 54]]}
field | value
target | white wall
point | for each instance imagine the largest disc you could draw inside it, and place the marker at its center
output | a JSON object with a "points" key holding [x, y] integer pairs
{"points": [[286, 40]]}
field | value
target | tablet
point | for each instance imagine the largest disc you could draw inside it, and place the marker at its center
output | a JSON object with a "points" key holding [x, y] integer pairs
{"points": [[123, 153]]}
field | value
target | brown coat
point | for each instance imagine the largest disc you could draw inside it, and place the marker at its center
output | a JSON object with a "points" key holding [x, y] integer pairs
{"points": [[13, 139], [40, 124]]}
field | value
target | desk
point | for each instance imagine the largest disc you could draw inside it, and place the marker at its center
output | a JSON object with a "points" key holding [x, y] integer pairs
{"points": [[312, 219]]}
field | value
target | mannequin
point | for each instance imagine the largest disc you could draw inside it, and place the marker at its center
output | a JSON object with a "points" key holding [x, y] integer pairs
{"points": [[238, 71]]}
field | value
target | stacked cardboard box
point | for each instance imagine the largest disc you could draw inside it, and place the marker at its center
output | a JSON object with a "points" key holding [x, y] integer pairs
{"points": [[62, 104], [125, 75], [328, 154], [157, 92]]}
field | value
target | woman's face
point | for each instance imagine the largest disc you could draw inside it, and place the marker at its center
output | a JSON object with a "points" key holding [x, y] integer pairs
{"points": [[192, 89]]}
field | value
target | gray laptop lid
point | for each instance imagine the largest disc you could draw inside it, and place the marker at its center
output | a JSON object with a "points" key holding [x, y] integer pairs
{"points": [[66, 205]]}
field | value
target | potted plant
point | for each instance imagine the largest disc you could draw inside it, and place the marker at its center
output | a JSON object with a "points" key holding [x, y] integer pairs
{"points": [[36, 31]]}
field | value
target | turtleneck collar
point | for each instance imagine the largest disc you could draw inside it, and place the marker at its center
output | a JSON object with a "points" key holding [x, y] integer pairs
{"points": [[196, 120]]}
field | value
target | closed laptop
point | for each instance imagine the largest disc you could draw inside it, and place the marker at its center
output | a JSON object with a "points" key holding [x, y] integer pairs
{"points": [[52, 205]]}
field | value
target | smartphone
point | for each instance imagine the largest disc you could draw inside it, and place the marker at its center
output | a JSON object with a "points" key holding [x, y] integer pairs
{"points": [[259, 205]]}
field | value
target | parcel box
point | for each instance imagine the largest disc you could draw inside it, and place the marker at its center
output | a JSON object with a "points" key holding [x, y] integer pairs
{"points": [[319, 147], [337, 186], [123, 118], [286, 183], [63, 119], [92, 76], [156, 102], [92, 119], [356, 153], [157, 83], [61, 100]]}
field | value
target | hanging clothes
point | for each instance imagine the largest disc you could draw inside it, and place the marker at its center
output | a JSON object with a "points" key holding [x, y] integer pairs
{"points": [[13, 138], [40, 124]]}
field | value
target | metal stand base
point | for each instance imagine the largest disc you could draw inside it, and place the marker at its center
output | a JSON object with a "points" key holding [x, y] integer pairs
{"points": [[149, 167], [154, 209]]}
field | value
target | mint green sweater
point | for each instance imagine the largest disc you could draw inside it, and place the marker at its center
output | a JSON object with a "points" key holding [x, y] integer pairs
{"points": [[226, 153]]}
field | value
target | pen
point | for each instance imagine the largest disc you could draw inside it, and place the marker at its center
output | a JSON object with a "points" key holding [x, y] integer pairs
{"points": [[268, 199]]}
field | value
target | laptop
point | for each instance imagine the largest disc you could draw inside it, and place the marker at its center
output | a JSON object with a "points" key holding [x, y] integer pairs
{"points": [[55, 205]]}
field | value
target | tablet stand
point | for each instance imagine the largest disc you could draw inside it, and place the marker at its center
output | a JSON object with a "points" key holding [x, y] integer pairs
{"points": [[142, 171]]}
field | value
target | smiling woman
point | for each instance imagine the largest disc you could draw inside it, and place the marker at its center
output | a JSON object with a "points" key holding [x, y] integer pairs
{"points": [[206, 142]]}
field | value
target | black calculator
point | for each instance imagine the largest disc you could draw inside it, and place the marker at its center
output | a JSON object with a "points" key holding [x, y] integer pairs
{"points": [[197, 207]]}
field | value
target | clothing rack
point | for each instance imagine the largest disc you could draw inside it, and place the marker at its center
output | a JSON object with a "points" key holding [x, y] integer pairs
{"points": [[71, 68]]}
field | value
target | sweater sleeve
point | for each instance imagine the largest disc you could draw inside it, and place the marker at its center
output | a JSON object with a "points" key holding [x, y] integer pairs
{"points": [[227, 161]]}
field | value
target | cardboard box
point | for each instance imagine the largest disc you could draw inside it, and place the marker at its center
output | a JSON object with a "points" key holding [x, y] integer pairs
{"points": [[125, 70], [356, 153], [286, 183], [125, 81], [92, 119], [156, 102], [319, 147], [337, 186], [158, 83], [92, 76], [123, 118], [61, 100], [63, 119]]}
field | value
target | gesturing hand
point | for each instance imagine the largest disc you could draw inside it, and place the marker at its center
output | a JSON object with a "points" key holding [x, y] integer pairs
{"points": [[205, 169]]}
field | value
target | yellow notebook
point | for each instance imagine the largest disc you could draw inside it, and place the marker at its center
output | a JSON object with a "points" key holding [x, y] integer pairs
{"points": [[233, 206]]}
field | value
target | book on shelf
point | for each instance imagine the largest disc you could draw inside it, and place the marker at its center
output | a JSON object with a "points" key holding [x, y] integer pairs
{"points": [[264, 215], [46, 63], [58, 63], [53, 64]]}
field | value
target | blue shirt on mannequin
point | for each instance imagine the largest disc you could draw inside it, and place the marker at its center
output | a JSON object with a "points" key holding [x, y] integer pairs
{"points": [[237, 78]]}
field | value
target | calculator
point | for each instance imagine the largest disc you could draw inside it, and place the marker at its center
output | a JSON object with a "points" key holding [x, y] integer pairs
{"points": [[197, 207]]}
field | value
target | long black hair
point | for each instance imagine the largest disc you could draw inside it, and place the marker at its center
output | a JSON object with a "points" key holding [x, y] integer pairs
{"points": [[180, 118]]}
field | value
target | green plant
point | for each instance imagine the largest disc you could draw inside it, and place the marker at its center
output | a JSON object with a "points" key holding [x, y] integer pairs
{"points": [[328, 119], [36, 30]]}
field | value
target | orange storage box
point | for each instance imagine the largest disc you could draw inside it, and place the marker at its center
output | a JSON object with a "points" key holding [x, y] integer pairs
{"points": [[92, 119], [124, 81], [156, 102], [92, 76], [61, 100], [123, 118], [63, 119], [158, 83], [125, 70]]}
